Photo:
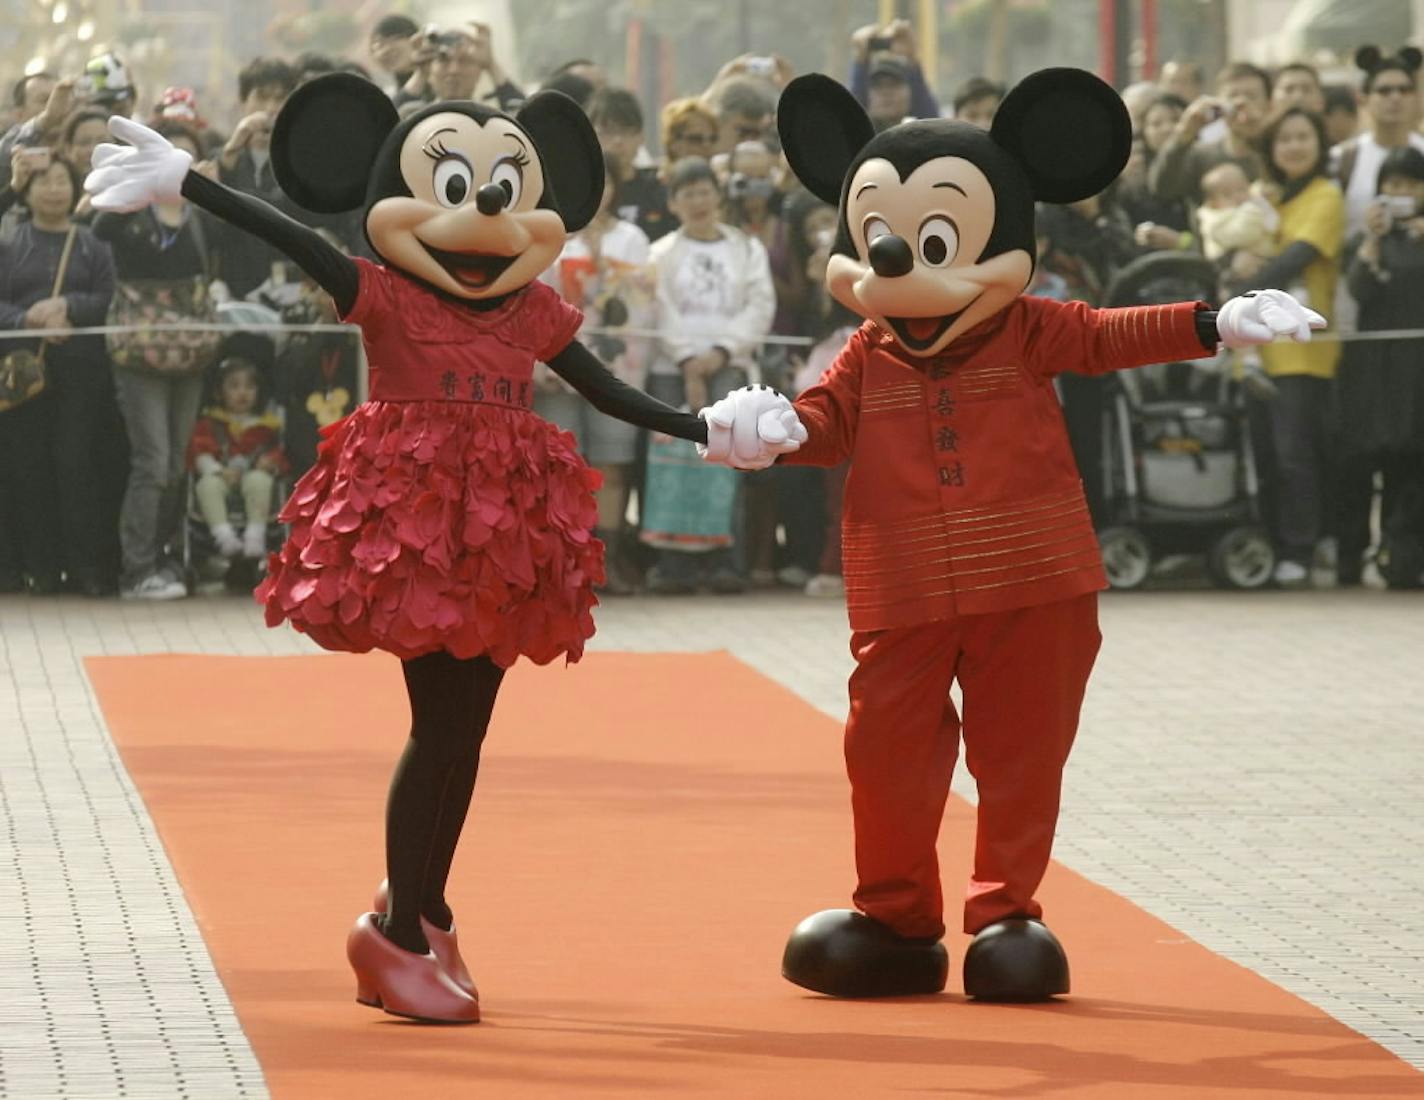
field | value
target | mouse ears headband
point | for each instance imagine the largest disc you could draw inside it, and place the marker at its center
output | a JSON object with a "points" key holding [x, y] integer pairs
{"points": [[1069, 132], [1372, 61], [338, 135]]}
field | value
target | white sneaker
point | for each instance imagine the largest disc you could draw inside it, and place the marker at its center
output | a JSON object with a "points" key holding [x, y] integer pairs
{"points": [[1290, 574], [254, 540], [229, 545], [792, 576], [826, 585], [155, 586]]}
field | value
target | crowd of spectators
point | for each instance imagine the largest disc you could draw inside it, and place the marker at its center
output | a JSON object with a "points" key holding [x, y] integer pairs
{"points": [[701, 272]]}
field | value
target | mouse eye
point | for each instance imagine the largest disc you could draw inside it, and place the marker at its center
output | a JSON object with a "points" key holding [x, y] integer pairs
{"points": [[874, 228], [939, 241], [452, 180], [509, 175]]}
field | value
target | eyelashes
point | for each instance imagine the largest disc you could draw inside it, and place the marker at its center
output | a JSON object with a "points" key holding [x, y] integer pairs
{"points": [[436, 150]]}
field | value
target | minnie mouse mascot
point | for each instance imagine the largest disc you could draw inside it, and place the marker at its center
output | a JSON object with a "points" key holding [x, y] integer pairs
{"points": [[443, 521], [968, 549]]}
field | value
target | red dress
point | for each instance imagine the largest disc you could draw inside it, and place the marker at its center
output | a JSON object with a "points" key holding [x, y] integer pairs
{"points": [[443, 513]]}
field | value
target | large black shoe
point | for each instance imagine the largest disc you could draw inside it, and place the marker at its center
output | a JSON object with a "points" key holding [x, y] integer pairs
{"points": [[1016, 959], [847, 954]]}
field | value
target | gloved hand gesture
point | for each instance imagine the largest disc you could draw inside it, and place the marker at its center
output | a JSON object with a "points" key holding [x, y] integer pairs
{"points": [[749, 428], [1259, 316], [129, 177]]}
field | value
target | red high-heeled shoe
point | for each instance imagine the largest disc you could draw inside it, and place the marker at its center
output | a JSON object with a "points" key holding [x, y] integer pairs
{"points": [[445, 944], [403, 983]]}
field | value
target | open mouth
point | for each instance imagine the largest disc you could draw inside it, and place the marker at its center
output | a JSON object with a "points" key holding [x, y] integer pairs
{"points": [[472, 270], [918, 333]]}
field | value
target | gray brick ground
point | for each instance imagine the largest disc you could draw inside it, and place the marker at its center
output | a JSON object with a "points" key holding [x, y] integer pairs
{"points": [[1249, 770]]}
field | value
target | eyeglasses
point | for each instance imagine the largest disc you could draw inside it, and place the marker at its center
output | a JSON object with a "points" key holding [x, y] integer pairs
{"points": [[1392, 89]]}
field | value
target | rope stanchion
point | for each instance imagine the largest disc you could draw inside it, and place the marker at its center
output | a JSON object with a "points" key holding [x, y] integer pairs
{"points": [[1324, 336]]}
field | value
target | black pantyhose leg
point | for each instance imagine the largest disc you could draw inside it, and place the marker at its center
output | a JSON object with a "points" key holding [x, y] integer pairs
{"points": [[450, 702]]}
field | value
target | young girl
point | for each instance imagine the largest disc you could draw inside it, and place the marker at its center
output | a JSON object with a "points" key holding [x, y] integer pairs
{"points": [[237, 445]]}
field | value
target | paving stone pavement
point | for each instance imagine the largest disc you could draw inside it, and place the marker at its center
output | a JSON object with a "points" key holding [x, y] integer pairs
{"points": [[1250, 769]]}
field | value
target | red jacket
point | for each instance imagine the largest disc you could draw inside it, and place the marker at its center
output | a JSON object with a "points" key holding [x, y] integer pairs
{"points": [[963, 497], [223, 436]]}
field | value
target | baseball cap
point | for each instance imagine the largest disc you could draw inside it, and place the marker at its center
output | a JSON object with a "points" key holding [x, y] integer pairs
{"points": [[106, 79]]}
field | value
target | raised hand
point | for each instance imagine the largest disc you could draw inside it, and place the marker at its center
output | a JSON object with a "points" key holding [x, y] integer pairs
{"points": [[750, 427], [129, 177], [1259, 316]]}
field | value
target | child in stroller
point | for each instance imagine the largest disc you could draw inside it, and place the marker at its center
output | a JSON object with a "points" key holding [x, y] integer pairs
{"points": [[1177, 451], [236, 459]]}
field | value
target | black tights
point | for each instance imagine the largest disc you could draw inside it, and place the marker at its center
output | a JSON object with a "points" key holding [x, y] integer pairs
{"points": [[450, 704]]}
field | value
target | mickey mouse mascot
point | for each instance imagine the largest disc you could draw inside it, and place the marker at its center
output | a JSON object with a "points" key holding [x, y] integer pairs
{"points": [[443, 522], [968, 549]]}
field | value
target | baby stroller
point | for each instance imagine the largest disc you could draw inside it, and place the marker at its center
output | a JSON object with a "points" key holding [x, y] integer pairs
{"points": [[1177, 457], [205, 568]]}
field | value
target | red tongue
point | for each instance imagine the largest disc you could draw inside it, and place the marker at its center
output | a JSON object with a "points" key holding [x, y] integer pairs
{"points": [[921, 328]]}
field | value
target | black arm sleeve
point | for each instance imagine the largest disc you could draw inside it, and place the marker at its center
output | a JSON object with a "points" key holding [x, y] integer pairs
{"points": [[335, 272], [609, 394], [1206, 328]]}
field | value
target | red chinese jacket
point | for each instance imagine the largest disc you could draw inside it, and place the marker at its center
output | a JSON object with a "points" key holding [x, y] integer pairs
{"points": [[963, 497]]}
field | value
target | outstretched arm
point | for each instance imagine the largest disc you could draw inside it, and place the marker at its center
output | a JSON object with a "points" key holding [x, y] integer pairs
{"points": [[334, 271], [149, 169], [609, 394]]}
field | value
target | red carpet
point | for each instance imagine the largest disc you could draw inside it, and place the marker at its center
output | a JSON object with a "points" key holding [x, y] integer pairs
{"points": [[647, 831]]}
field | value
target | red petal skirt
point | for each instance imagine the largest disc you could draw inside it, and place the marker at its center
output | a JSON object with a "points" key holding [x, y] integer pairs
{"points": [[430, 525]]}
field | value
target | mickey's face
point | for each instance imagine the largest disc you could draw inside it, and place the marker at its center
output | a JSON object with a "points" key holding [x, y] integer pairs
{"points": [[917, 269], [471, 224]]}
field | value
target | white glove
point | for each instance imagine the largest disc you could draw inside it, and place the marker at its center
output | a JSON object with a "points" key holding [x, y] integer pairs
{"points": [[129, 177], [1259, 316], [749, 428]]}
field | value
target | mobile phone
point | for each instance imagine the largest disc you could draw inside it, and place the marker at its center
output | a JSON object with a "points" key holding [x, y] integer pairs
{"points": [[761, 66], [1400, 207], [881, 42], [36, 156]]}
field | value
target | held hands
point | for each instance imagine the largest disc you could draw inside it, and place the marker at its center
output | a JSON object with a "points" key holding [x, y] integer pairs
{"points": [[749, 428], [129, 177], [1259, 316]]}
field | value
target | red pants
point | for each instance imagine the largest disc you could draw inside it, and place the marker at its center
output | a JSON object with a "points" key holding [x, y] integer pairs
{"points": [[1022, 674]]}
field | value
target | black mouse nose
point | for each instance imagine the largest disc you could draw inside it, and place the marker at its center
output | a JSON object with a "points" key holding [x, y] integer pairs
{"points": [[890, 256], [491, 198]]}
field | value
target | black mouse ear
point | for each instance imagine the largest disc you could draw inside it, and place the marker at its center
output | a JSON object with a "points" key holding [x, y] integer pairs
{"points": [[326, 138], [569, 154], [823, 128], [1411, 57], [1368, 58], [1069, 131]]}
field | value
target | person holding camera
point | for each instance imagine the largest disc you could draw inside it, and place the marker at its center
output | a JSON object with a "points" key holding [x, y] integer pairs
{"points": [[54, 275], [1380, 386], [889, 54], [1243, 97], [450, 62]]}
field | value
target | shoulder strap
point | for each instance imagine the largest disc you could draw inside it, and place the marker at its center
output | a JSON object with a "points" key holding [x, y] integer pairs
{"points": [[64, 261]]}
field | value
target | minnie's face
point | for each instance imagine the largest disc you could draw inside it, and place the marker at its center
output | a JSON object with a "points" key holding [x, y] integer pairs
{"points": [[470, 225], [917, 270]]}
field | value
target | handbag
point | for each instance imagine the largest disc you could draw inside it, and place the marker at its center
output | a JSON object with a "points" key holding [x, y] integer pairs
{"points": [[22, 371], [139, 304]]}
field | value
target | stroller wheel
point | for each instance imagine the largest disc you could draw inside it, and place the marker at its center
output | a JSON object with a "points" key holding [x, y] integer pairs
{"points": [[1127, 559], [1242, 558]]}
